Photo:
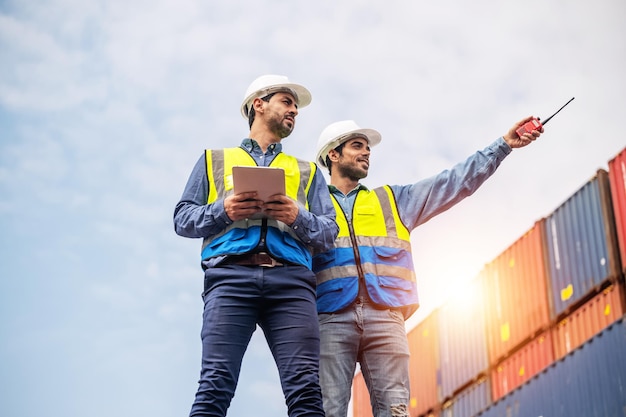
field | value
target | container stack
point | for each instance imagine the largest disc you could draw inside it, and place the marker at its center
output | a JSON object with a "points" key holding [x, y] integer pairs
{"points": [[547, 321]]}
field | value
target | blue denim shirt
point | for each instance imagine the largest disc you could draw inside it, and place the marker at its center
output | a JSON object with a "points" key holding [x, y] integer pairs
{"points": [[421, 201], [194, 218]]}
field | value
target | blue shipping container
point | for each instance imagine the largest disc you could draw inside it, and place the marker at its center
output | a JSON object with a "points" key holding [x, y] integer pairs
{"points": [[581, 244], [470, 401], [462, 340], [589, 381]]}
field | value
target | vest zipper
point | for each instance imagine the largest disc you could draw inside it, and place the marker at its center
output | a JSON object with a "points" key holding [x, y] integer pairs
{"points": [[261, 246], [355, 247], [357, 254]]}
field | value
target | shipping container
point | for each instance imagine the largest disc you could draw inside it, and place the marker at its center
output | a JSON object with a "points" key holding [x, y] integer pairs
{"points": [[424, 365], [582, 245], [522, 365], [589, 319], [462, 341], [361, 406], [470, 401], [617, 179], [589, 381], [515, 294]]}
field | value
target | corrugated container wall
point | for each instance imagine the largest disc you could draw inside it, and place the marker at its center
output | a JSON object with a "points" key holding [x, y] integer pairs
{"points": [[361, 406], [470, 401], [617, 179], [424, 365], [522, 365], [590, 381], [462, 341], [515, 294], [584, 322], [582, 245]]}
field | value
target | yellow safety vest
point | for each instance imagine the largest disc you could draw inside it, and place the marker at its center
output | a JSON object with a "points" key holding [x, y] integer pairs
{"points": [[373, 248], [243, 236]]}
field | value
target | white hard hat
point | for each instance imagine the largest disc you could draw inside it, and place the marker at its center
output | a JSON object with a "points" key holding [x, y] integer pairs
{"points": [[337, 133], [268, 84]]}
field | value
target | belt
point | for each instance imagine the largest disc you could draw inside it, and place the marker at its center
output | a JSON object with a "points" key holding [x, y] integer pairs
{"points": [[253, 259]]}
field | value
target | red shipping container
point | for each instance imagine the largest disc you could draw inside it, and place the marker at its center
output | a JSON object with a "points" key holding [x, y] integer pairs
{"points": [[424, 365], [588, 320], [522, 365], [617, 179], [361, 406], [515, 293]]}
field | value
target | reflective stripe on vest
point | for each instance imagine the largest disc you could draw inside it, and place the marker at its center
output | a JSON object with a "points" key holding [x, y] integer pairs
{"points": [[244, 235]]}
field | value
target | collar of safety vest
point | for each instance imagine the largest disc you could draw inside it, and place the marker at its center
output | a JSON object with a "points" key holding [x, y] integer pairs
{"points": [[251, 145]]}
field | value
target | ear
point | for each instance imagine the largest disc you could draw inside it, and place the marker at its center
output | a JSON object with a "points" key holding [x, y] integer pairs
{"points": [[333, 155], [258, 105]]}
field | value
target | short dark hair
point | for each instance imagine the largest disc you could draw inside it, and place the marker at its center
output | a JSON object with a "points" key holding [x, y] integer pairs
{"points": [[252, 113]]}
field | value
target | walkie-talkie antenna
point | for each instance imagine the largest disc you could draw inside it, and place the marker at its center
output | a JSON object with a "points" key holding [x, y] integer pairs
{"points": [[548, 119], [534, 123]]}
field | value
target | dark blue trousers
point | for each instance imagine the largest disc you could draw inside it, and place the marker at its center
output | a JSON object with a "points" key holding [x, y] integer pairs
{"points": [[281, 300]]}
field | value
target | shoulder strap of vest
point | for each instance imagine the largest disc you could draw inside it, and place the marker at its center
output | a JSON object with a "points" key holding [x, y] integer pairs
{"points": [[393, 223], [219, 164], [307, 172], [299, 176]]}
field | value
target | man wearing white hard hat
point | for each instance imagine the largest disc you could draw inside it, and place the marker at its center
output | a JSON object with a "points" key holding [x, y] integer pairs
{"points": [[366, 285], [257, 255]]}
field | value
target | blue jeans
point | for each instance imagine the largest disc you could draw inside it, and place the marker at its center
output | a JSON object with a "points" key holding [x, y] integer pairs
{"points": [[376, 338], [281, 301]]}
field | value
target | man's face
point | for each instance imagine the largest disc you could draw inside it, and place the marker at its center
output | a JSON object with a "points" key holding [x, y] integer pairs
{"points": [[280, 114], [354, 160]]}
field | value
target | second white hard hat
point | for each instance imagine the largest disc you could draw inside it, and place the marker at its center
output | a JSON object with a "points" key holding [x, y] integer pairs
{"points": [[337, 133], [268, 84]]}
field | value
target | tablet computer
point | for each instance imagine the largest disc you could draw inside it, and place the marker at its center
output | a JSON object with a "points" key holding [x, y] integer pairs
{"points": [[266, 181]]}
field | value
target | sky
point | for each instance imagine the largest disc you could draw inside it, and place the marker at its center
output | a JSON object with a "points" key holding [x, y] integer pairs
{"points": [[105, 106]]}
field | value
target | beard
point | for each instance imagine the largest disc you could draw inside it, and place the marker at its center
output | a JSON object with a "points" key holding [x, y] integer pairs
{"points": [[350, 171], [278, 126]]}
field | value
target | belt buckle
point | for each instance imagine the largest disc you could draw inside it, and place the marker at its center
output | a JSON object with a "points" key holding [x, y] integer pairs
{"points": [[272, 262]]}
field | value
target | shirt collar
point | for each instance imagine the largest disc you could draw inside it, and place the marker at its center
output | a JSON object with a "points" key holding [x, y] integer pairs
{"points": [[359, 187], [252, 145]]}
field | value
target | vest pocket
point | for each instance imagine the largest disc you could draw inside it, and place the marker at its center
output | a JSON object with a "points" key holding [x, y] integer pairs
{"points": [[392, 257], [395, 283]]}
